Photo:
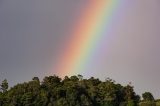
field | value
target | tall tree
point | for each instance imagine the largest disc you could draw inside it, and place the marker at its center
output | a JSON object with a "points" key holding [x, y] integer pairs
{"points": [[4, 85], [147, 96]]}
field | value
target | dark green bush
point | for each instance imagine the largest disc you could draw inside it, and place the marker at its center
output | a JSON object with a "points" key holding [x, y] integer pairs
{"points": [[131, 103], [147, 103], [123, 104], [158, 103]]}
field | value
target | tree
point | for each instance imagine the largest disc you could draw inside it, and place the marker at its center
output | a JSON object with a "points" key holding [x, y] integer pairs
{"points": [[74, 78], [147, 96], [51, 81], [129, 93], [36, 79], [4, 85], [80, 77], [71, 91]]}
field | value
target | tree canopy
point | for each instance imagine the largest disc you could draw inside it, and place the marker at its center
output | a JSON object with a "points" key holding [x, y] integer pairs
{"points": [[70, 91]]}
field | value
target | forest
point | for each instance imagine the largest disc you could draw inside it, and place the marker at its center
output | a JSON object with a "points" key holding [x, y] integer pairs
{"points": [[73, 91]]}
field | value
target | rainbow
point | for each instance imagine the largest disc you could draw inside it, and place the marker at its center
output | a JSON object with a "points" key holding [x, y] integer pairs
{"points": [[87, 33]]}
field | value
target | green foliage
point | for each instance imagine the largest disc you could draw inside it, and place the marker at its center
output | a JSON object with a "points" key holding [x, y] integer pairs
{"points": [[158, 103], [4, 85], [131, 103], [147, 103], [123, 104], [148, 100], [147, 96], [71, 91]]}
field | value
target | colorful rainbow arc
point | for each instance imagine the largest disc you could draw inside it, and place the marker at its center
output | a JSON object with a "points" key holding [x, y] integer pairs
{"points": [[86, 35]]}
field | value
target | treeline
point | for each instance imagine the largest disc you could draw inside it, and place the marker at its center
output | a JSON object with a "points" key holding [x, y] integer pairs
{"points": [[72, 91]]}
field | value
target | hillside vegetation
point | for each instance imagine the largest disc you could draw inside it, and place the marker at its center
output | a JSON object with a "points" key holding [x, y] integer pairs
{"points": [[72, 91]]}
